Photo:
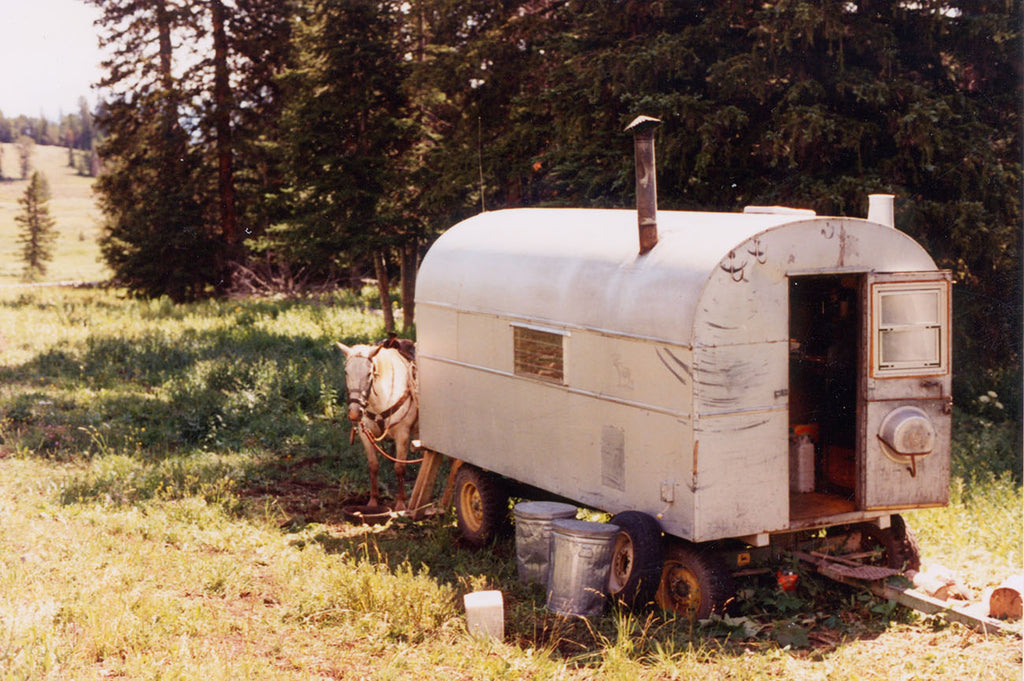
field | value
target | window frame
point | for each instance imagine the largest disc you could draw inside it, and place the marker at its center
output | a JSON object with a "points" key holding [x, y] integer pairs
{"points": [[879, 290]]}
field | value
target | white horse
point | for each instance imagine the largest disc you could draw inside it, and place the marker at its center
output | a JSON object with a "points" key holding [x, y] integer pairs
{"points": [[383, 402]]}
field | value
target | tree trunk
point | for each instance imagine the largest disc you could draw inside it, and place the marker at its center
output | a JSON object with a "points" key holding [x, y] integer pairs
{"points": [[163, 29], [410, 258], [383, 284], [222, 118]]}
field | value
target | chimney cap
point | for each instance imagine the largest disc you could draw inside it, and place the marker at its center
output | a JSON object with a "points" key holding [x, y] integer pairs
{"points": [[642, 123]]}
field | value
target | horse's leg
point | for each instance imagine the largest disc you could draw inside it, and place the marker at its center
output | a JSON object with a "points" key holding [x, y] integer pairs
{"points": [[401, 437], [373, 465]]}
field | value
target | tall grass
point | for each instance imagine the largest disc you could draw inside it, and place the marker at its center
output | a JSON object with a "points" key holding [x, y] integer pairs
{"points": [[172, 483]]}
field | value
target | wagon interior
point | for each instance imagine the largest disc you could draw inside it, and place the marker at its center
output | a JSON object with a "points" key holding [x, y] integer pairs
{"points": [[825, 347]]}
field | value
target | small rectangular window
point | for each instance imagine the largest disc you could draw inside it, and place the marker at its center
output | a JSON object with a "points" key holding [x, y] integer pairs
{"points": [[910, 328], [539, 354]]}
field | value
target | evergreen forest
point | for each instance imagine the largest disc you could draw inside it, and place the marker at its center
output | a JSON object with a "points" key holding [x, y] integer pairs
{"points": [[310, 143]]}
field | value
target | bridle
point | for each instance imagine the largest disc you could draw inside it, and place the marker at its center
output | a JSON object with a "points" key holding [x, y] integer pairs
{"points": [[360, 396]]}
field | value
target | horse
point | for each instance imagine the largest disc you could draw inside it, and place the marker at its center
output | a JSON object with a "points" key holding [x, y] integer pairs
{"points": [[383, 402]]}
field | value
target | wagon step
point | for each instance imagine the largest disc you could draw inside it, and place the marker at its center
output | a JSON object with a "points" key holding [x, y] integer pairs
{"points": [[875, 579]]}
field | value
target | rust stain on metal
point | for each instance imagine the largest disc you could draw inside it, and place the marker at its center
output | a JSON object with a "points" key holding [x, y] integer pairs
{"points": [[842, 246], [693, 479]]}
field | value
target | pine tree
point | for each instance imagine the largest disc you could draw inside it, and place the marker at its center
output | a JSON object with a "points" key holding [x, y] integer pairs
{"points": [[186, 172], [345, 133], [37, 234], [158, 239]]}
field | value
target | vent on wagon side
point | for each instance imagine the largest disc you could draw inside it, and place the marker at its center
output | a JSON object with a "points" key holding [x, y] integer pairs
{"points": [[539, 353]]}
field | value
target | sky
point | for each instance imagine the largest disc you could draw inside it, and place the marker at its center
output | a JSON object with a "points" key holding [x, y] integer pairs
{"points": [[49, 57]]}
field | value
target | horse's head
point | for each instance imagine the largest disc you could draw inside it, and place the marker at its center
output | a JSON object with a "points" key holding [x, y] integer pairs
{"points": [[359, 374]]}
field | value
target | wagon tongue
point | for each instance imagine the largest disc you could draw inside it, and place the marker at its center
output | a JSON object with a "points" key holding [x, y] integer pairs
{"points": [[642, 128]]}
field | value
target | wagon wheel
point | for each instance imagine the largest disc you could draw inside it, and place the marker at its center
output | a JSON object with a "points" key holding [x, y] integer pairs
{"points": [[481, 506], [694, 582], [895, 546], [636, 559]]}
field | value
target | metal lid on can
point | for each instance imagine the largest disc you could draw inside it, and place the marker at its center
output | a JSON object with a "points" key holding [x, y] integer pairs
{"points": [[583, 529], [543, 510]]}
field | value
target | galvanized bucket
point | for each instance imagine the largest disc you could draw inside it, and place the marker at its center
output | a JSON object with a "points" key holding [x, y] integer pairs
{"points": [[581, 559], [533, 537]]}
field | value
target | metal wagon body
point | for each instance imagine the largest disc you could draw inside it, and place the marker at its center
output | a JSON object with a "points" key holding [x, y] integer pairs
{"points": [[752, 374]]}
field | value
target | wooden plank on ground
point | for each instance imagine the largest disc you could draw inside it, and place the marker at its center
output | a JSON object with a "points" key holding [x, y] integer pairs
{"points": [[965, 614], [933, 606]]}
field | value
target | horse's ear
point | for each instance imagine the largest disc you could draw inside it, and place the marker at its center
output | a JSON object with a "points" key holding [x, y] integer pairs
{"points": [[345, 350], [376, 349]]}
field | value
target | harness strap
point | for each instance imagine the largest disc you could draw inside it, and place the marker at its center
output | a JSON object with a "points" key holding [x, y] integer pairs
{"points": [[381, 419]]}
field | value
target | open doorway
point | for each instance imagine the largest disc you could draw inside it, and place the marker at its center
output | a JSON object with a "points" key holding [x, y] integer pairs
{"points": [[825, 341]]}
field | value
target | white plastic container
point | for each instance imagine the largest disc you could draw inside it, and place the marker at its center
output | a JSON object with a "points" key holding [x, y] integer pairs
{"points": [[485, 614], [533, 537], [801, 464]]}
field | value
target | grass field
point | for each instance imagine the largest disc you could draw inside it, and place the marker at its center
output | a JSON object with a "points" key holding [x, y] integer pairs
{"points": [[72, 206], [172, 484], [172, 481]]}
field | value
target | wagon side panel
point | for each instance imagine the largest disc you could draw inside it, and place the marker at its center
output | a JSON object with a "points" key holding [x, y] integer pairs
{"points": [[614, 433]]}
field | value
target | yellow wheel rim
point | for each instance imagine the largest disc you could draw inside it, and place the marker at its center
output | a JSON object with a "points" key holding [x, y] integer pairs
{"points": [[679, 590], [472, 506]]}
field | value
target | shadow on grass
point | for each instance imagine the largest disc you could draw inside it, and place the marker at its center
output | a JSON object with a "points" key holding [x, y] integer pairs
{"points": [[227, 389]]}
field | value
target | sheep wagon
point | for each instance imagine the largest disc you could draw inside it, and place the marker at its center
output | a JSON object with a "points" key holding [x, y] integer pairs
{"points": [[742, 381]]}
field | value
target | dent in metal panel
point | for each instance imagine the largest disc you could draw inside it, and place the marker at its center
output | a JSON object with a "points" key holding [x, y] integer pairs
{"points": [[675, 365], [740, 377], [613, 457]]}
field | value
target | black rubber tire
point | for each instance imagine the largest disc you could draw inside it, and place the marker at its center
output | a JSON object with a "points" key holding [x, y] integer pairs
{"points": [[481, 506], [636, 559], [694, 582], [898, 546]]}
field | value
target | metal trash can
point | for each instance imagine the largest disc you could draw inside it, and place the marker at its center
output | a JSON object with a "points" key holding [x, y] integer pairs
{"points": [[533, 537], [581, 559]]}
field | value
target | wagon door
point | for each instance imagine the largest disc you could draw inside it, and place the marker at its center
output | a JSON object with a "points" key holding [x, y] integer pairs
{"points": [[905, 400]]}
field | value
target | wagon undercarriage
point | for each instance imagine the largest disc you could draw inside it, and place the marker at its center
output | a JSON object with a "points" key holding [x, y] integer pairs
{"points": [[698, 580]]}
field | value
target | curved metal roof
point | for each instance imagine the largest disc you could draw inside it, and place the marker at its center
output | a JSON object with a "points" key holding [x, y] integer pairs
{"points": [[580, 267]]}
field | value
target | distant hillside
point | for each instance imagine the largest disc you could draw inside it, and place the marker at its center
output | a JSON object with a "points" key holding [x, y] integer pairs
{"points": [[72, 205]]}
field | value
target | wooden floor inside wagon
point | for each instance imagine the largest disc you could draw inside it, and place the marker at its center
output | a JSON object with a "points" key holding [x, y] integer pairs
{"points": [[817, 505]]}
